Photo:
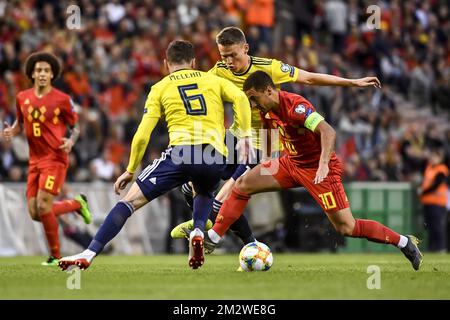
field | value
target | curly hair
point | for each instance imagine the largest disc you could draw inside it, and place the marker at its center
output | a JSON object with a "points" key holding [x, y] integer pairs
{"points": [[48, 57]]}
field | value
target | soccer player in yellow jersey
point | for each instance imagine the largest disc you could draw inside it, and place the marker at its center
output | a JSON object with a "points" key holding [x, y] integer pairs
{"points": [[192, 103], [237, 66]]}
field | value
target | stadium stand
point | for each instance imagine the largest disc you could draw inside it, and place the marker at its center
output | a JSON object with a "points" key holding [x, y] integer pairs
{"points": [[111, 62]]}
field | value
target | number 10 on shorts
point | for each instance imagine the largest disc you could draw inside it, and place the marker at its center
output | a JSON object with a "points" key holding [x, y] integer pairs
{"points": [[328, 200]]}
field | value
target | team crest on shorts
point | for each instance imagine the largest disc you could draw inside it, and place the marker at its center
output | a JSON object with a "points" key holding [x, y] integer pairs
{"points": [[300, 109]]}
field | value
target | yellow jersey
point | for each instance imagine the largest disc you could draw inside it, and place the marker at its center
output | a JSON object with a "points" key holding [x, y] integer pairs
{"points": [[279, 72], [192, 103]]}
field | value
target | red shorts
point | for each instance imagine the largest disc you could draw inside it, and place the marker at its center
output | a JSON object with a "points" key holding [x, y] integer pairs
{"points": [[48, 176], [329, 194]]}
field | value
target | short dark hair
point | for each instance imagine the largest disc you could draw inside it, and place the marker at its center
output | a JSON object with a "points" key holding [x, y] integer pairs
{"points": [[230, 35], [258, 80], [42, 56], [180, 51]]}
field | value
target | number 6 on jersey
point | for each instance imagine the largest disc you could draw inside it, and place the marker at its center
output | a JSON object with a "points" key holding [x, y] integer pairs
{"points": [[187, 100]]}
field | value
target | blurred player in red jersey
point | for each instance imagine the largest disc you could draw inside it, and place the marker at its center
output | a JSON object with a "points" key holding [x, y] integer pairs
{"points": [[309, 161], [45, 113]]}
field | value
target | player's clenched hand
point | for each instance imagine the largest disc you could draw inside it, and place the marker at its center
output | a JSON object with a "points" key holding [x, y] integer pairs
{"points": [[66, 145], [321, 173], [7, 132], [245, 150], [122, 181], [367, 82]]}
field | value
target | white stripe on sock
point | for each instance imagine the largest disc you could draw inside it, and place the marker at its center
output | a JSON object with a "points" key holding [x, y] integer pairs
{"points": [[403, 242], [213, 236], [129, 206]]}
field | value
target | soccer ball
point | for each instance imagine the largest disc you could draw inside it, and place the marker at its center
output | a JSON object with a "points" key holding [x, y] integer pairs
{"points": [[255, 256]]}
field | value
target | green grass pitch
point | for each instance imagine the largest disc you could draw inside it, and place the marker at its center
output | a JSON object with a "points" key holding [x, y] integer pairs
{"points": [[293, 276]]}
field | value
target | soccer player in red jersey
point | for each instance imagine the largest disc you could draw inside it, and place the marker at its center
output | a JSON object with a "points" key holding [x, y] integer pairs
{"points": [[45, 113], [309, 161]]}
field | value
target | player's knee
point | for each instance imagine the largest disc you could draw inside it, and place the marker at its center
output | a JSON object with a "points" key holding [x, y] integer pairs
{"points": [[243, 186], [44, 206], [345, 229], [35, 215], [33, 211]]}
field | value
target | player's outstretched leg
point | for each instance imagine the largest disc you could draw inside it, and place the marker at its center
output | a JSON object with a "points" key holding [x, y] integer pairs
{"points": [[251, 183], [374, 231], [412, 252], [108, 230]]}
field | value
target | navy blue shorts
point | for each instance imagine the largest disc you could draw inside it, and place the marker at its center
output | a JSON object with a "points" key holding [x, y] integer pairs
{"points": [[201, 164]]}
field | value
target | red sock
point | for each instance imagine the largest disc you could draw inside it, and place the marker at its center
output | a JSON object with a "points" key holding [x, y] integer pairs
{"points": [[65, 206], [51, 232], [375, 231], [230, 211]]}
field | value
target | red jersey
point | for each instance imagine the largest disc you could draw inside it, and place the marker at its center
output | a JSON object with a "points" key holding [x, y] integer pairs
{"points": [[45, 120], [301, 144]]}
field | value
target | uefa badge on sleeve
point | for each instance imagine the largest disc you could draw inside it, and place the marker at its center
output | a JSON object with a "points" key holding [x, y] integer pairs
{"points": [[300, 109], [285, 67]]}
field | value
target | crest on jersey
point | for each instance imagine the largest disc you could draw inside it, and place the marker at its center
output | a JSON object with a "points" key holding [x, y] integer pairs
{"points": [[300, 109], [285, 67]]}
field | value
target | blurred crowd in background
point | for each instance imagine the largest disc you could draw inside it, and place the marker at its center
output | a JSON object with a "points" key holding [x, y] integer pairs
{"points": [[112, 61]]}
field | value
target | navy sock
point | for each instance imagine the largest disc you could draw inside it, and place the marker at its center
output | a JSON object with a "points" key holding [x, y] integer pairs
{"points": [[242, 229], [111, 226], [202, 208], [186, 189], [216, 206]]}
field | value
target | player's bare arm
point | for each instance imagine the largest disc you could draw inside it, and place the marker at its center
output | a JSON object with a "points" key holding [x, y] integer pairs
{"points": [[321, 79], [327, 142], [10, 131], [138, 146], [68, 143]]}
